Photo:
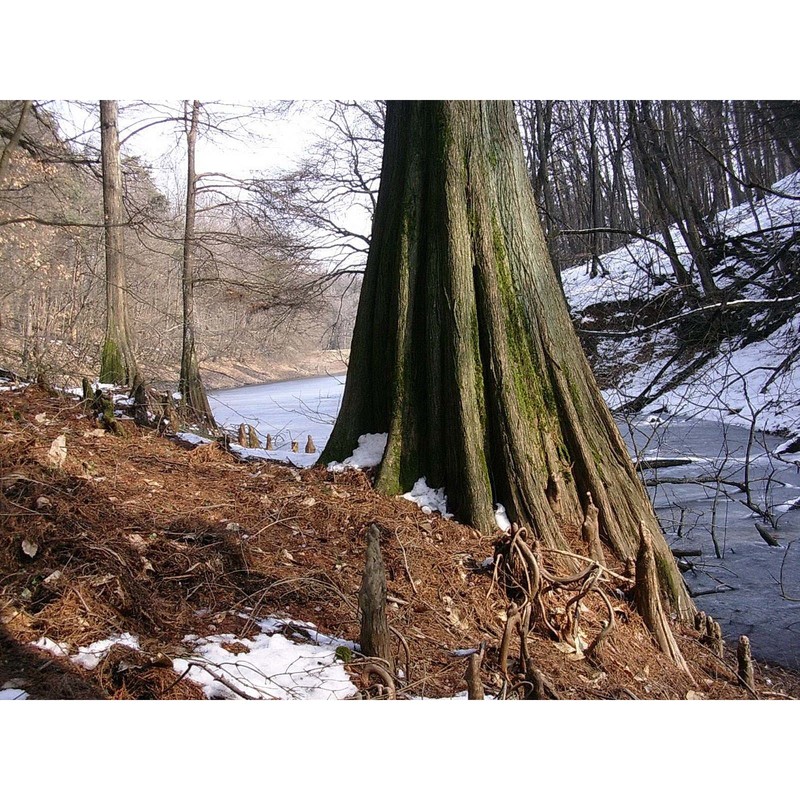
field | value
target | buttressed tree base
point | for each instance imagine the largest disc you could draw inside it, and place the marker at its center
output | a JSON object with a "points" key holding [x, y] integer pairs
{"points": [[464, 351]]}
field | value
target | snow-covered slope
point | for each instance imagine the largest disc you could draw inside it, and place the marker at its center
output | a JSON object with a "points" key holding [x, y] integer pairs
{"points": [[742, 367]]}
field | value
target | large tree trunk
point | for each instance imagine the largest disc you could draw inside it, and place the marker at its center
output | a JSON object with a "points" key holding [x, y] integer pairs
{"points": [[117, 363], [464, 351], [194, 400]]}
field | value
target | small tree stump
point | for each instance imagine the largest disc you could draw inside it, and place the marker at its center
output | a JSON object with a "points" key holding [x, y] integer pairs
{"points": [[87, 391], [648, 601], [541, 689], [590, 530], [295, 447], [765, 534], [473, 678], [310, 447], [103, 406], [745, 659], [700, 621], [375, 638], [241, 436], [252, 438], [141, 404], [268, 443], [714, 637]]}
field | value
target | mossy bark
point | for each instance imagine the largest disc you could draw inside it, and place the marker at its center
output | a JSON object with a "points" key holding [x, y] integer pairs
{"points": [[117, 361], [464, 351]]}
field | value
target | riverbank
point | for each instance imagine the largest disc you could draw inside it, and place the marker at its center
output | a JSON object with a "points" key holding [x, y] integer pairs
{"points": [[127, 560], [231, 374]]}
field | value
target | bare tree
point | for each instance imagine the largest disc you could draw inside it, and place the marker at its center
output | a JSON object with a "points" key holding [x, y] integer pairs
{"points": [[118, 364], [193, 394]]}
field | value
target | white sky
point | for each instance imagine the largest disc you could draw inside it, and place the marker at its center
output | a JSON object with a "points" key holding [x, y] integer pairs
{"points": [[576, 49], [270, 143]]}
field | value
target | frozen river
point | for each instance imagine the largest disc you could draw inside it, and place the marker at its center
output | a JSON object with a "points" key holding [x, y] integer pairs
{"points": [[747, 585]]}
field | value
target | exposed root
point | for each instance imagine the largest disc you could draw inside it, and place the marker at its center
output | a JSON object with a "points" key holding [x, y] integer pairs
{"points": [[371, 668]]}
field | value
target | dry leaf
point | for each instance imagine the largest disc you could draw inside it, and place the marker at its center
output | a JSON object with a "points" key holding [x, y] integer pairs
{"points": [[309, 501], [43, 502], [287, 555], [29, 547], [94, 433], [41, 417], [690, 695], [563, 647], [57, 454]]}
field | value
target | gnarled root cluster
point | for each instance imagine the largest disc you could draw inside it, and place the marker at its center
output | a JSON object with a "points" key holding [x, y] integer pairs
{"points": [[540, 598]]}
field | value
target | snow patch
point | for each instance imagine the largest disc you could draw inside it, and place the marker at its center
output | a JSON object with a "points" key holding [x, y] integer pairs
{"points": [[368, 453], [13, 694], [56, 648], [192, 438], [269, 666], [91, 655], [429, 500], [790, 505], [501, 518]]}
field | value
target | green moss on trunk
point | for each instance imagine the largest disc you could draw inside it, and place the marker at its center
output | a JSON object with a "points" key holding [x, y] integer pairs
{"points": [[112, 364], [463, 349]]}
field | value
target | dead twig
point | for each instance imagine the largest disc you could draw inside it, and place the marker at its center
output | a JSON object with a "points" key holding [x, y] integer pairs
{"points": [[405, 561]]}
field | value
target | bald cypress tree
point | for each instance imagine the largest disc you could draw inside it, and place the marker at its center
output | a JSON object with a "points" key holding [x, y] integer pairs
{"points": [[117, 363], [464, 351], [194, 400]]}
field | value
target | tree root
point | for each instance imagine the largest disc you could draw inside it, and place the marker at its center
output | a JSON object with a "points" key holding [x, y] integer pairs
{"points": [[518, 568], [370, 668]]}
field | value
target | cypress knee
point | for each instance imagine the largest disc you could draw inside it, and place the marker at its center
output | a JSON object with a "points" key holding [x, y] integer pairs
{"points": [[375, 639]]}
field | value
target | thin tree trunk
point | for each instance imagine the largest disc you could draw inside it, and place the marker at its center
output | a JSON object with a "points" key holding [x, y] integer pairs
{"points": [[193, 394], [464, 352], [117, 364], [594, 191]]}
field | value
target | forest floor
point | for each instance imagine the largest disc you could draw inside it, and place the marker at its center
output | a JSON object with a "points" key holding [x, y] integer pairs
{"points": [[121, 558]]}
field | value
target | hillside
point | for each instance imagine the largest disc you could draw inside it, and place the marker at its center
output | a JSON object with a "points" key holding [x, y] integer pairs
{"points": [[138, 567], [734, 358]]}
